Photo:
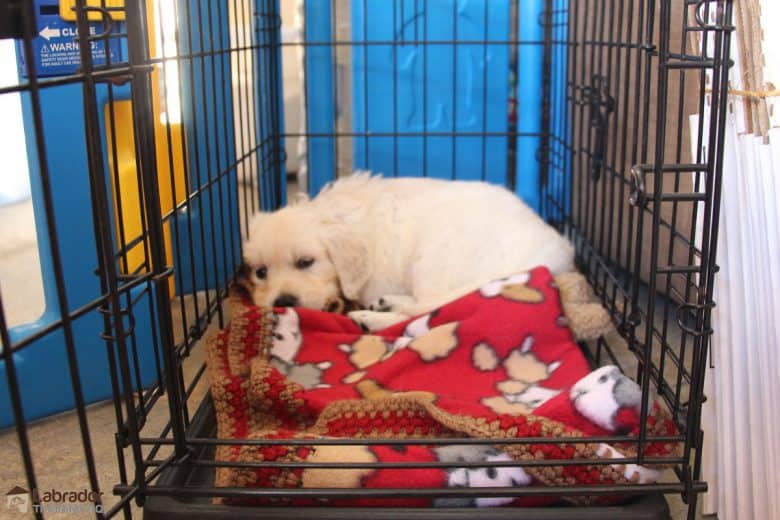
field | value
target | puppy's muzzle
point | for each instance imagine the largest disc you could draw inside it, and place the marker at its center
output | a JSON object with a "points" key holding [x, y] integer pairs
{"points": [[286, 300]]}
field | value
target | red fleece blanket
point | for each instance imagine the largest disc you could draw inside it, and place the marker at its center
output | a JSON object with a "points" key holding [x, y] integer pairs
{"points": [[497, 363]]}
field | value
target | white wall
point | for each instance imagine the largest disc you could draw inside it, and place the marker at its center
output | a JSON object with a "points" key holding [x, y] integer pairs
{"points": [[14, 178]]}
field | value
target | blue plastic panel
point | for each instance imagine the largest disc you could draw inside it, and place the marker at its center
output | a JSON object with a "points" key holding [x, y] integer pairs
{"points": [[559, 179], [530, 63], [42, 368], [269, 105], [278, 102], [435, 88], [321, 108], [207, 106]]}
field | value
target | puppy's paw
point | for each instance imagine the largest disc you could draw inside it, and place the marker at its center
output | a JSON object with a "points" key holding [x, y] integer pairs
{"points": [[392, 303], [370, 321]]}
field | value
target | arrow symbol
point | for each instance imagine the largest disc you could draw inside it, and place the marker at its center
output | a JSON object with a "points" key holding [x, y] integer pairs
{"points": [[49, 33]]}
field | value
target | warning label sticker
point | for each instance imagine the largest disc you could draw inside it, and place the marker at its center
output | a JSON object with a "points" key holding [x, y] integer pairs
{"points": [[56, 48]]}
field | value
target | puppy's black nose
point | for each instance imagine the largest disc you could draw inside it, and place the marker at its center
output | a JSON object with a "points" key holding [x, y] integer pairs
{"points": [[286, 300]]}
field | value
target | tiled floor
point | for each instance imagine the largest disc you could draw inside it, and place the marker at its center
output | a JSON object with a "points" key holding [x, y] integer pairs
{"points": [[58, 449]]}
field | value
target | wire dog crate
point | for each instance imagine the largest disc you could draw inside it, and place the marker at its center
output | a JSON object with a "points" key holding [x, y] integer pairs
{"points": [[606, 116]]}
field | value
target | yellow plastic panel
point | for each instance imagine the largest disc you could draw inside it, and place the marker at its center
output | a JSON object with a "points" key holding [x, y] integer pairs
{"points": [[125, 185], [67, 9], [170, 164], [124, 180]]}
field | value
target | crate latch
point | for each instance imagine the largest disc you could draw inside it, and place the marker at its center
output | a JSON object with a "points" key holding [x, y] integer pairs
{"points": [[601, 106], [687, 314], [638, 195]]}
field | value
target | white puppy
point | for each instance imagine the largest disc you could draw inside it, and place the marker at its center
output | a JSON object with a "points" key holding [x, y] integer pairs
{"points": [[400, 247]]}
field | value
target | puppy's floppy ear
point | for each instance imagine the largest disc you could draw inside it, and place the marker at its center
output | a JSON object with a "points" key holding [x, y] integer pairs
{"points": [[242, 284], [349, 255]]}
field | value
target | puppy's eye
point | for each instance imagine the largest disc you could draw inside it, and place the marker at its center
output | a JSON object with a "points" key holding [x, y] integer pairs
{"points": [[261, 272], [304, 262]]}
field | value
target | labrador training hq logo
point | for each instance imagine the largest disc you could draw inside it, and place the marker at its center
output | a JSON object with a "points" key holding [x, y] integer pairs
{"points": [[38, 501], [18, 499]]}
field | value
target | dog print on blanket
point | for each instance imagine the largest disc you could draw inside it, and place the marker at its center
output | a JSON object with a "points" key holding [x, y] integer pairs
{"points": [[520, 393], [286, 343], [363, 353], [513, 288], [495, 476], [606, 395]]}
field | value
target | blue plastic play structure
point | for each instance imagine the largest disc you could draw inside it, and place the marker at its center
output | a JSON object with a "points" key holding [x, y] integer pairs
{"points": [[42, 365], [411, 99]]}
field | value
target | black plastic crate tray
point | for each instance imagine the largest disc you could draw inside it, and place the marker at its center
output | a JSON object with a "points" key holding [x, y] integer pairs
{"points": [[643, 507]]}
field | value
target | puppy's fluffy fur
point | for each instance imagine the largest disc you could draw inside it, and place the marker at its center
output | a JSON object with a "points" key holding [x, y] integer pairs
{"points": [[400, 246]]}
